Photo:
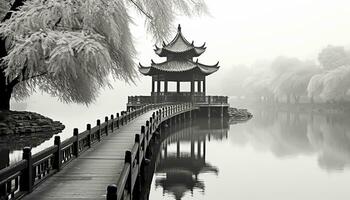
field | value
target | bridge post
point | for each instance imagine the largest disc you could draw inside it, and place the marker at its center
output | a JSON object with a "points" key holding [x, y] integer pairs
{"points": [[143, 131], [117, 120], [76, 143], [112, 192], [88, 128], [98, 123], [127, 117], [58, 156], [222, 111], [147, 130], [112, 125], [122, 118], [151, 125], [128, 157], [154, 121], [106, 128], [139, 161], [26, 181]]}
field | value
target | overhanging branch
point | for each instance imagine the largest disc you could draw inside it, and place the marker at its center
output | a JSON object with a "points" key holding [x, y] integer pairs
{"points": [[142, 10]]}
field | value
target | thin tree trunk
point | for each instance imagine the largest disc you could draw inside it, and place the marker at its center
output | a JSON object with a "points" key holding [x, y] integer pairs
{"points": [[5, 93]]}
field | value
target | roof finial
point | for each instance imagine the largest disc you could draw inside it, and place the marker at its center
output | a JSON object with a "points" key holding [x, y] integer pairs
{"points": [[179, 28]]}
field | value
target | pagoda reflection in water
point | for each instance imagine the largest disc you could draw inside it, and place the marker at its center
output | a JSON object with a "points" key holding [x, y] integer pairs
{"points": [[177, 169]]}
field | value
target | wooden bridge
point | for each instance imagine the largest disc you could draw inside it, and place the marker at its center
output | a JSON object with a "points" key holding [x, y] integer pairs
{"points": [[102, 162]]}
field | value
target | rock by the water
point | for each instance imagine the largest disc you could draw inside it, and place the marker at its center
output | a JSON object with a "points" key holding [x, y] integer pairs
{"points": [[23, 122], [239, 114]]}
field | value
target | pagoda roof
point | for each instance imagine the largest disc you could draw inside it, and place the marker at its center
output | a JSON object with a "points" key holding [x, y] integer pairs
{"points": [[179, 45], [178, 66]]}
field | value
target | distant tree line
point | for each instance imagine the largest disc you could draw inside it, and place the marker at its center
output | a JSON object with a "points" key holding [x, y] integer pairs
{"points": [[291, 80]]}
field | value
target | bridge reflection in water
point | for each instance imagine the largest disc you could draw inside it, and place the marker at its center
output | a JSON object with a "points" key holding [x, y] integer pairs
{"points": [[182, 156]]}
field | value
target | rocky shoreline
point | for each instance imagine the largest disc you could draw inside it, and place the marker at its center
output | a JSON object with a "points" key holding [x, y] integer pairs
{"points": [[23, 122], [238, 115]]}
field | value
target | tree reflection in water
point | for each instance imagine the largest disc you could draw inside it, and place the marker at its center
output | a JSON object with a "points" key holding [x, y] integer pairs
{"points": [[287, 134], [11, 145]]}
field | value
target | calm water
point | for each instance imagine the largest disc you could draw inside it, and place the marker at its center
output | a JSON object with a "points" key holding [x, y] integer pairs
{"points": [[275, 155]]}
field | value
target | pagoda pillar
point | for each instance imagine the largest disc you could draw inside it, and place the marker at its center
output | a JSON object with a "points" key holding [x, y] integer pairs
{"points": [[192, 86], [153, 86], [204, 149], [199, 86], [204, 86], [192, 149], [165, 86], [198, 149], [158, 87], [178, 149], [178, 86]]}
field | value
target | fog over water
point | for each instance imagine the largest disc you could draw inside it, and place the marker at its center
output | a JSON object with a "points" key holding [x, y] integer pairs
{"points": [[275, 155]]}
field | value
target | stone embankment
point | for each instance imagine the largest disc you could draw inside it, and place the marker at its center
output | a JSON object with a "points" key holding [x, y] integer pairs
{"points": [[239, 114], [22, 122]]}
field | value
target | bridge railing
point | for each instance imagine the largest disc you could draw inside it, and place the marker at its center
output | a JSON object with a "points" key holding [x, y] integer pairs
{"points": [[130, 175], [20, 178]]}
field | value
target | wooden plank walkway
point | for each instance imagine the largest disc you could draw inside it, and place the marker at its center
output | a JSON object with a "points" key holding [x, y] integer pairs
{"points": [[87, 176]]}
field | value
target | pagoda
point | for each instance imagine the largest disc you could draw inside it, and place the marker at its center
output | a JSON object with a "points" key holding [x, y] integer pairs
{"points": [[178, 67], [180, 78]]}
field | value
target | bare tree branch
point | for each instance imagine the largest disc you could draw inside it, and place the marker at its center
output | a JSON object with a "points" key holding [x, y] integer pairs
{"points": [[142, 10]]}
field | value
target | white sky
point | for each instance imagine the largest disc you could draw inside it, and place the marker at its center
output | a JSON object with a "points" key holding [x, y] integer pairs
{"points": [[240, 32]]}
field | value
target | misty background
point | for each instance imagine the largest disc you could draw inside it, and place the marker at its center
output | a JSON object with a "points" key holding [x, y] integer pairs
{"points": [[265, 49]]}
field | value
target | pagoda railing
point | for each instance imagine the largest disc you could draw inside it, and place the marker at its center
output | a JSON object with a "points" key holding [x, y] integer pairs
{"points": [[211, 99], [199, 100]]}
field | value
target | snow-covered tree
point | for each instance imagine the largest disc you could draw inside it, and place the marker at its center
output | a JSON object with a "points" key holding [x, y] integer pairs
{"points": [[332, 57], [257, 84], [333, 83], [292, 77], [70, 48]]}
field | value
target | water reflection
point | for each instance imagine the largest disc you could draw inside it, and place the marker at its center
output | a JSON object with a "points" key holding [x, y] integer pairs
{"points": [[182, 157], [11, 145], [288, 134]]}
